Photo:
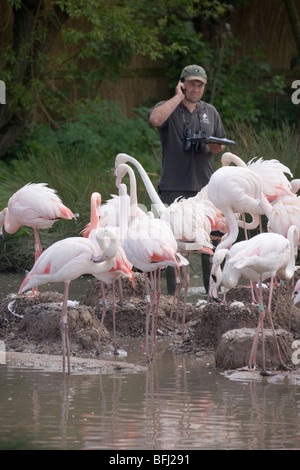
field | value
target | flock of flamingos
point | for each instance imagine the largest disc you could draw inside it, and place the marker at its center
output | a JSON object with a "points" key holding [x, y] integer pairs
{"points": [[122, 236]]}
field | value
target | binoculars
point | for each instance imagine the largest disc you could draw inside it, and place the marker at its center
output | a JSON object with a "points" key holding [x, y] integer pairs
{"points": [[188, 143]]}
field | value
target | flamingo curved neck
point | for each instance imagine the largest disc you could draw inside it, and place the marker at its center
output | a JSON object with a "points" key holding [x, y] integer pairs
{"points": [[123, 158], [229, 157]]}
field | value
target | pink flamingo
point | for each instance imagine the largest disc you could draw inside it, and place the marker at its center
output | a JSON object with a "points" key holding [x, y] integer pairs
{"points": [[149, 244], [67, 260], [137, 213], [264, 255], [190, 220], [36, 206], [120, 268]]}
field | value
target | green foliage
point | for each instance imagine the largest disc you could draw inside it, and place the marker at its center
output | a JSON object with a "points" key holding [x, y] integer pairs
{"points": [[281, 144], [76, 160], [245, 87]]}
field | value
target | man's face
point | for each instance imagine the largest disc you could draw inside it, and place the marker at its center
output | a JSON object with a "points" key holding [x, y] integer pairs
{"points": [[194, 90]]}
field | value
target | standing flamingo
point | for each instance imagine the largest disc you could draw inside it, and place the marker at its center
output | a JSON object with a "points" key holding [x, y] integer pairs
{"points": [[190, 220], [36, 206], [120, 268], [149, 244], [67, 260], [136, 212], [264, 255]]}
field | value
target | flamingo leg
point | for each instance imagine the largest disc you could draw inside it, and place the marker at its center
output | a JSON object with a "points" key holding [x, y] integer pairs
{"points": [[148, 313], [64, 330], [260, 326], [104, 303], [177, 290], [37, 254], [38, 246], [186, 287], [252, 360], [114, 317], [121, 292], [153, 309], [282, 364], [157, 304]]}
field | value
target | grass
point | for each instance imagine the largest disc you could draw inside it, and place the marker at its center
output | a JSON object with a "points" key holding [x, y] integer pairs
{"points": [[75, 175]]}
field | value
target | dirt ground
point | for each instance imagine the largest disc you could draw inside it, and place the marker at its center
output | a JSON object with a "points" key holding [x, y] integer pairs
{"points": [[31, 324]]}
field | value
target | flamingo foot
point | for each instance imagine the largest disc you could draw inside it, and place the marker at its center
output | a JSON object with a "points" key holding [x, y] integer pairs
{"points": [[265, 373], [283, 366], [252, 365]]}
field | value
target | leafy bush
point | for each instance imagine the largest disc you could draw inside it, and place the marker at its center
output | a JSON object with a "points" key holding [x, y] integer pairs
{"points": [[76, 160]]}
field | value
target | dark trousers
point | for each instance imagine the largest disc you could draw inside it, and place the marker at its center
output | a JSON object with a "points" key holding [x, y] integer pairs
{"points": [[168, 197]]}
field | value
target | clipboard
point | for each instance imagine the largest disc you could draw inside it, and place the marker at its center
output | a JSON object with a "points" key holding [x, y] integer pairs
{"points": [[210, 140]]}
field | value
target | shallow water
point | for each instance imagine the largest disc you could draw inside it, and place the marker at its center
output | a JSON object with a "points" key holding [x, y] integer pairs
{"points": [[178, 403]]}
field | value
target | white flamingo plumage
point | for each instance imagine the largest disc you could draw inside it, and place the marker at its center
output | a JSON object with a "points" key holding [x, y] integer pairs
{"points": [[282, 214], [236, 190], [120, 268], [272, 172], [136, 213], [36, 206], [149, 244], [264, 255], [67, 260], [189, 218]]}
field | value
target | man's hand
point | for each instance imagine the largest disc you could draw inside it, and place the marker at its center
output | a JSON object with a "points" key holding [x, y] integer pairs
{"points": [[180, 89], [216, 148]]}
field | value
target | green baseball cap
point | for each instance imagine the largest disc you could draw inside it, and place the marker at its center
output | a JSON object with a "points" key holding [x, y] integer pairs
{"points": [[194, 72]]}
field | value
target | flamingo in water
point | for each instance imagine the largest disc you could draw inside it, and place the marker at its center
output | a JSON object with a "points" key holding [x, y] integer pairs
{"points": [[264, 255], [67, 260], [36, 206], [120, 268]]}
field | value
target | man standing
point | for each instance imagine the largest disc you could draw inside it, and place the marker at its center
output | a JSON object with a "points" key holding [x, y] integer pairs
{"points": [[186, 166]]}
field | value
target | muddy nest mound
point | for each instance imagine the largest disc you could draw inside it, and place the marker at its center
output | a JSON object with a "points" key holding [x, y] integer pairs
{"points": [[31, 324]]}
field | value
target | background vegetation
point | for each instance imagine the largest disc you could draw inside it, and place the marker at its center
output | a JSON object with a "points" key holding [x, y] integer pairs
{"points": [[48, 135]]}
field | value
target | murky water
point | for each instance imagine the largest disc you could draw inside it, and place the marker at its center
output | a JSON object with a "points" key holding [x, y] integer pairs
{"points": [[178, 403]]}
